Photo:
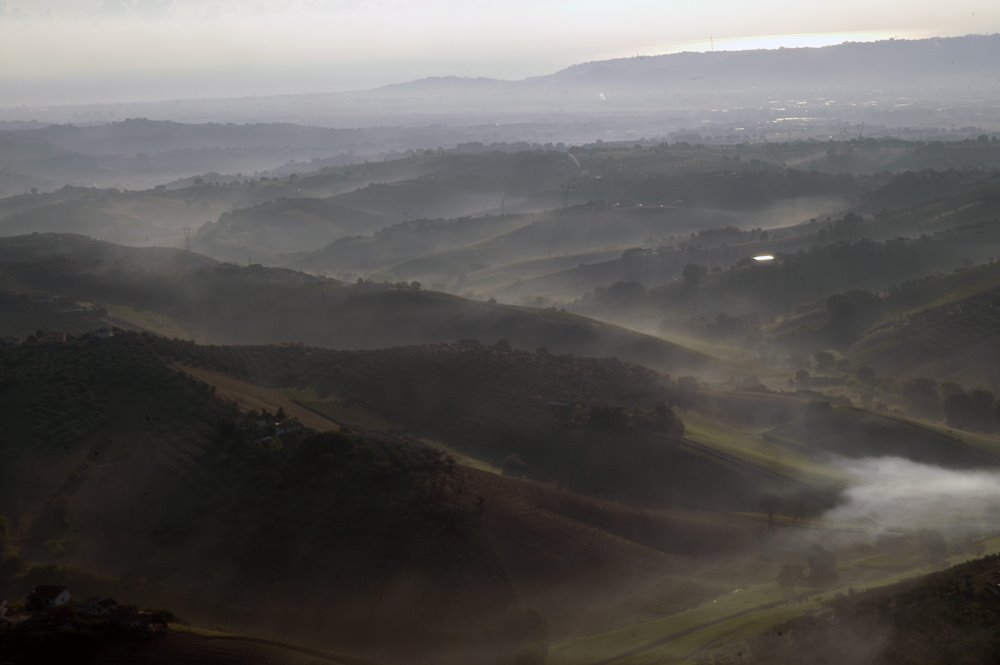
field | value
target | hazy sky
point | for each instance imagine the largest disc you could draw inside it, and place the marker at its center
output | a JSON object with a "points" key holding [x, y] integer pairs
{"points": [[69, 51]]}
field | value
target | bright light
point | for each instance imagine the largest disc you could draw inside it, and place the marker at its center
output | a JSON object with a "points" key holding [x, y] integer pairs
{"points": [[763, 257]]}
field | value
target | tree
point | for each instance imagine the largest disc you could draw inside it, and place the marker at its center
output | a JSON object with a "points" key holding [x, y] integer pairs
{"points": [[514, 465], [625, 294], [933, 545], [693, 274], [950, 388], [687, 391], [822, 566], [611, 416], [7, 550], [824, 360], [790, 575], [958, 411], [981, 403], [867, 376], [769, 504], [851, 312], [921, 397], [667, 421]]}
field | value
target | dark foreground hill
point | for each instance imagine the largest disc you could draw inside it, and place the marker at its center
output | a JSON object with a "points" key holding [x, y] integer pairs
{"points": [[120, 475], [221, 302], [177, 645], [137, 477]]}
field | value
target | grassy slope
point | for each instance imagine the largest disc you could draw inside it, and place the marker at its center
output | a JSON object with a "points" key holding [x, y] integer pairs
{"points": [[949, 616], [857, 433], [684, 637]]}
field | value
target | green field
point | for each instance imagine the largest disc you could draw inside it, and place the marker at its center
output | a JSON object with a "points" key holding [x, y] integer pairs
{"points": [[679, 638]]}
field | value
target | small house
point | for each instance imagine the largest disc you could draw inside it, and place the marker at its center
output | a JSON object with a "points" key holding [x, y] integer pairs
{"points": [[46, 596], [10, 341]]}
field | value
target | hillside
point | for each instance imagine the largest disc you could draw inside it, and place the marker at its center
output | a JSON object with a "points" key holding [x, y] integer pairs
{"points": [[950, 616], [270, 230], [403, 242], [955, 340], [221, 507], [179, 644], [139, 152], [815, 266], [575, 416], [224, 303], [607, 516], [822, 430], [143, 218], [300, 212], [568, 231]]}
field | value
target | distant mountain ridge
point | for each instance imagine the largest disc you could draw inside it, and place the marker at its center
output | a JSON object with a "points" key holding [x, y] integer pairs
{"points": [[967, 57], [976, 55], [923, 69]]}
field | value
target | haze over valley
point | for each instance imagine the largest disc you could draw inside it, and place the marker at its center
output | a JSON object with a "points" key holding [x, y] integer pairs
{"points": [[690, 356]]}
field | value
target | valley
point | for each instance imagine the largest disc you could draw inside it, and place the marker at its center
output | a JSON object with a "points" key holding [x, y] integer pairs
{"points": [[686, 359]]}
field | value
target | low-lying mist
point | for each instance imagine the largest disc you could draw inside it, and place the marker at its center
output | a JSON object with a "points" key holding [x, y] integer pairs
{"points": [[897, 493]]}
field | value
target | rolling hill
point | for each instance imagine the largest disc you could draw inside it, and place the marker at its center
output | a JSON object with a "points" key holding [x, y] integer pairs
{"points": [[405, 241], [955, 340], [271, 230], [226, 303], [221, 507]]}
